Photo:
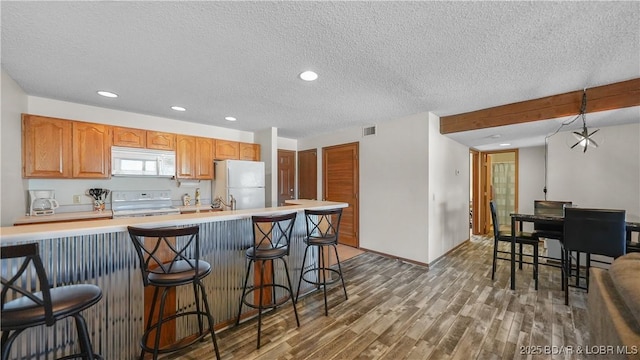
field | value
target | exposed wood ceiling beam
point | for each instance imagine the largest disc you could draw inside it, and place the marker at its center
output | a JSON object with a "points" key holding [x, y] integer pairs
{"points": [[607, 97]]}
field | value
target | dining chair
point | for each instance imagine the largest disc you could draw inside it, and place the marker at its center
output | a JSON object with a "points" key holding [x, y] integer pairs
{"points": [[550, 231], [522, 238], [631, 245], [551, 208], [593, 232]]}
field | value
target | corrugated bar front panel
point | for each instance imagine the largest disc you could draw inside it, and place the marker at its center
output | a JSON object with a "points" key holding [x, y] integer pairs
{"points": [[116, 323]]}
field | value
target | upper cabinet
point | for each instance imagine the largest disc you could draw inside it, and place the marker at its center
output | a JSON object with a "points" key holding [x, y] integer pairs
{"points": [[194, 157], [204, 156], [161, 140], [185, 157], [227, 150], [91, 150], [129, 137], [59, 148], [139, 138], [46, 147], [249, 151]]}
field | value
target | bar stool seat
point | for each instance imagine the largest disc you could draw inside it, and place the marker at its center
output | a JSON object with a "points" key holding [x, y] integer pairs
{"points": [[267, 253], [65, 301], [44, 307]]}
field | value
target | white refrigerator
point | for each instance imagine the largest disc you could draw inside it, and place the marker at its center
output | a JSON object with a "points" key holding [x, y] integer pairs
{"points": [[242, 179]]}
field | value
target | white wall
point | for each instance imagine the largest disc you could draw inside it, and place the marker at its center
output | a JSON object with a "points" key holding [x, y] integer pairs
{"points": [[12, 186], [607, 177], [448, 191], [395, 176], [80, 112], [530, 180], [530, 177], [268, 140]]}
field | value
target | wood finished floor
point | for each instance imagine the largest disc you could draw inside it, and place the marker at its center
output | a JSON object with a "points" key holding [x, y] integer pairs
{"points": [[398, 310]]}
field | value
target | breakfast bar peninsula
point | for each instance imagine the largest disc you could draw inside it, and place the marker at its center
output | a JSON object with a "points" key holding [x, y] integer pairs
{"points": [[100, 252]]}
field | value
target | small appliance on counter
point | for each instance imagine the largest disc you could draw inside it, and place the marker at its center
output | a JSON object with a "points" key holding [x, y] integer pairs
{"points": [[99, 196], [42, 202]]}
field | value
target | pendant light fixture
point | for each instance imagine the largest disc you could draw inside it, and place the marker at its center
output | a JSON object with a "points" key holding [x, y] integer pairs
{"points": [[584, 138]]}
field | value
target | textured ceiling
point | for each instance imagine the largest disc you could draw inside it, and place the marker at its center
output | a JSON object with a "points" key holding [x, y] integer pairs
{"points": [[377, 61]]}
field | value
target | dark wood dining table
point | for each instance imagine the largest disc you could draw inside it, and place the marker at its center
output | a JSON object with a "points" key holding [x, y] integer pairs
{"points": [[632, 226]]}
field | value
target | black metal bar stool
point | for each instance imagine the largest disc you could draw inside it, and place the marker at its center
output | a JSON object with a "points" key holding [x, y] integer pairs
{"points": [[182, 266], [323, 228], [271, 238], [22, 308]]}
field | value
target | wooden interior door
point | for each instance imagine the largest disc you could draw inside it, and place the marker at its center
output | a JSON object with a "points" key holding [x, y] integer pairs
{"points": [[485, 178], [340, 166], [487, 159], [476, 193], [286, 175], [308, 174]]}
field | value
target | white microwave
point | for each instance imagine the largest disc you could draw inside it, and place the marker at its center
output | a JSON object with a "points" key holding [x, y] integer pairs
{"points": [[142, 162]]}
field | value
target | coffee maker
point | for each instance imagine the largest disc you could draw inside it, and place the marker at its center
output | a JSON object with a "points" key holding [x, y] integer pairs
{"points": [[42, 202]]}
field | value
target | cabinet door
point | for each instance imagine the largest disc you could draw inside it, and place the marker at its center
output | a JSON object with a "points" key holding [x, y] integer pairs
{"points": [[46, 147], [160, 140], [186, 157], [227, 150], [91, 150], [204, 156], [249, 151], [129, 137]]}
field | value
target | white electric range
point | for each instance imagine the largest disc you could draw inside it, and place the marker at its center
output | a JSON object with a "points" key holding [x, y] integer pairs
{"points": [[137, 203]]}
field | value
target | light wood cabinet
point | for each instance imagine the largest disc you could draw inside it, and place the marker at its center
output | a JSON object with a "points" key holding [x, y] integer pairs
{"points": [[161, 140], [91, 150], [227, 150], [59, 148], [140, 138], [194, 157], [249, 151], [186, 157], [46, 147], [129, 137], [204, 158]]}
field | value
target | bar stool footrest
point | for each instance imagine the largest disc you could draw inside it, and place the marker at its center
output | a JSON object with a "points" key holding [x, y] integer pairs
{"points": [[279, 302], [178, 345], [318, 283]]}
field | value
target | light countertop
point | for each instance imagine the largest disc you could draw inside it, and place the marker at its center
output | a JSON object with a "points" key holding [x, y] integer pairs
{"points": [[70, 216], [12, 234]]}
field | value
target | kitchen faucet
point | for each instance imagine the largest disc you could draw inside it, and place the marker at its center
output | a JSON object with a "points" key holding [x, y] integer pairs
{"points": [[231, 204]]}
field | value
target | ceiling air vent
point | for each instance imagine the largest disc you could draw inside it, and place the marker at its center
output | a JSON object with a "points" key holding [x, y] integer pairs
{"points": [[369, 130]]}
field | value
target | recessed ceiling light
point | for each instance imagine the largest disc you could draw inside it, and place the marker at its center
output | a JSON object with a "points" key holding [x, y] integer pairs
{"points": [[505, 144], [108, 94], [308, 75], [230, 118], [495, 136], [178, 108]]}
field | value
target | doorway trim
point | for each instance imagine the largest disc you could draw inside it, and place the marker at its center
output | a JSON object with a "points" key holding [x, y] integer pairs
{"points": [[481, 222]]}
